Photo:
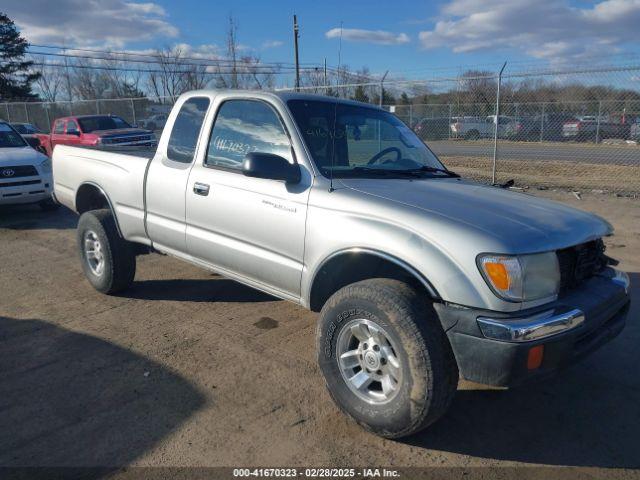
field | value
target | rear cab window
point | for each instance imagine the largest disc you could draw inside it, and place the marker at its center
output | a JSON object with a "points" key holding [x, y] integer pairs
{"points": [[186, 130], [59, 127]]}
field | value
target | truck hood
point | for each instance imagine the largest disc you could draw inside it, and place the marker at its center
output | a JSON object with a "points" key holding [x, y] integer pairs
{"points": [[521, 222], [20, 156], [121, 131]]}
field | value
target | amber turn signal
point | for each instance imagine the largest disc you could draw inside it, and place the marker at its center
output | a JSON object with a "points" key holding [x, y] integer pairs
{"points": [[498, 274]]}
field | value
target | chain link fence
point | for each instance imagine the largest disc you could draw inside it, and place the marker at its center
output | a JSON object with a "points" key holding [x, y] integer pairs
{"points": [[575, 128], [146, 112], [569, 128]]}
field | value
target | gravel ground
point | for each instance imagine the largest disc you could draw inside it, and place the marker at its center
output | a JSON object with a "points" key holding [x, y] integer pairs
{"points": [[190, 369]]}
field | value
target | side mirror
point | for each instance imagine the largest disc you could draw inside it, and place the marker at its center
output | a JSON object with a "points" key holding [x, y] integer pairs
{"points": [[74, 132], [270, 166]]}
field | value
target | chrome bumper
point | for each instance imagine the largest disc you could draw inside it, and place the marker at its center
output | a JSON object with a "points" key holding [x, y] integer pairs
{"points": [[535, 327], [540, 325]]}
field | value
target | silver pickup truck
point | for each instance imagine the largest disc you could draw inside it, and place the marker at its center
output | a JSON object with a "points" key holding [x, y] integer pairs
{"points": [[419, 275]]}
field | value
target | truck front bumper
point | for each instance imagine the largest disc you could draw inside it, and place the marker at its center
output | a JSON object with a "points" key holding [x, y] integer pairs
{"points": [[509, 349], [26, 190]]}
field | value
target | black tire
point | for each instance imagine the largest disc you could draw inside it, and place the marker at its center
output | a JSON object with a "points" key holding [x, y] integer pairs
{"points": [[472, 135], [119, 267], [429, 370], [48, 205]]}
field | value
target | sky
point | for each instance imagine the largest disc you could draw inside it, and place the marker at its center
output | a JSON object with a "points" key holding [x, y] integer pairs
{"points": [[409, 38]]}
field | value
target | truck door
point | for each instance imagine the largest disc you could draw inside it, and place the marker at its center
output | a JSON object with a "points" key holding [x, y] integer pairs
{"points": [[252, 228], [168, 174]]}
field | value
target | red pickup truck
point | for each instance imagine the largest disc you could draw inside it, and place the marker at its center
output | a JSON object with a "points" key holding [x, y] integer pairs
{"points": [[95, 130]]}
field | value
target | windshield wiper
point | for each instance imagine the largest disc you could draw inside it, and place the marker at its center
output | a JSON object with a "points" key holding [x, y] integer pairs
{"points": [[412, 172], [377, 171], [426, 168]]}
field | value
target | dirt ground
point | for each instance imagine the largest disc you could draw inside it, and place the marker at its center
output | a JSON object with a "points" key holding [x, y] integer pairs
{"points": [[622, 179], [190, 369]]}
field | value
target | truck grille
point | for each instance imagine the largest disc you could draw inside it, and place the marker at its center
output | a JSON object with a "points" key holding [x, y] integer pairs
{"points": [[579, 263], [19, 184], [132, 138], [7, 173]]}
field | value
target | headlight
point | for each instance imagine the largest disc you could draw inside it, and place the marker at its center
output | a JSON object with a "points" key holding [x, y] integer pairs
{"points": [[522, 277], [46, 166]]}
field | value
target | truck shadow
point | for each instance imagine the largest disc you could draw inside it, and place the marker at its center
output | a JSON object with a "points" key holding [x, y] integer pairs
{"points": [[30, 217], [216, 289], [589, 415], [69, 399]]}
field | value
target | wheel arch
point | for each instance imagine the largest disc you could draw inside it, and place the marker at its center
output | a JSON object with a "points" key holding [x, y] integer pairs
{"points": [[351, 265], [91, 196]]}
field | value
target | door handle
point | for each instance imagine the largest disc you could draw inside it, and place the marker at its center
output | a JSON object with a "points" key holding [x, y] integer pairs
{"points": [[201, 189]]}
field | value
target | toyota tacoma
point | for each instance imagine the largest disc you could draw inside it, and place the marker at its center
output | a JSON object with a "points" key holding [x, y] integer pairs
{"points": [[419, 276]]}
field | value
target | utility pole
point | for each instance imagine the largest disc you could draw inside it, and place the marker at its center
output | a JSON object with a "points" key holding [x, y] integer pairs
{"points": [[66, 67], [382, 86], [325, 75], [295, 43], [497, 122]]}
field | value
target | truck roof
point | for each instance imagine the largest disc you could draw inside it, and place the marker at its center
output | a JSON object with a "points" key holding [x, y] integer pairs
{"points": [[79, 117], [282, 95]]}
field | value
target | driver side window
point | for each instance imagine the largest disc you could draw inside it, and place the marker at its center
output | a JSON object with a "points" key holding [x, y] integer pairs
{"points": [[244, 126]]}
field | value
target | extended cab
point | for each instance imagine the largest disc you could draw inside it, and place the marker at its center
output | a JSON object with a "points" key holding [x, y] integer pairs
{"points": [[95, 131], [419, 275]]}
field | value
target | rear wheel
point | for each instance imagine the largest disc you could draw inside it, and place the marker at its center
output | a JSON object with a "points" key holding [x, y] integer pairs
{"points": [[387, 362], [108, 261]]}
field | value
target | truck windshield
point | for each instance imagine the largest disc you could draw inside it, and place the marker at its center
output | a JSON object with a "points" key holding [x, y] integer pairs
{"points": [[106, 122], [9, 138], [347, 140]]}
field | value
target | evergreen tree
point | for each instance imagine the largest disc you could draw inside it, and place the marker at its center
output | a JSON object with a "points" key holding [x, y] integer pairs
{"points": [[16, 75], [360, 95]]}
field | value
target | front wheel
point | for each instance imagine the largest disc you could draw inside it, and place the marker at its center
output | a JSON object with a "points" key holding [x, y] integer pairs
{"points": [[108, 260], [386, 360]]}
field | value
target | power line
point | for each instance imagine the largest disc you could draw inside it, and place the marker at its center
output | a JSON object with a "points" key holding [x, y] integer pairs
{"points": [[148, 55], [163, 60], [147, 70]]}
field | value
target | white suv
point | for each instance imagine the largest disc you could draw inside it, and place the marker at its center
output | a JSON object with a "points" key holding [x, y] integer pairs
{"points": [[25, 174]]}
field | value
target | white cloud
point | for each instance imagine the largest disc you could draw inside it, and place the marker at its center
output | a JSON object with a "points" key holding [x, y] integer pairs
{"points": [[545, 29], [90, 22], [380, 37], [272, 44]]}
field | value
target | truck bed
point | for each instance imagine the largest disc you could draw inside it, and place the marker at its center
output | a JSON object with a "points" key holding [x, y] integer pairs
{"points": [[118, 171], [142, 151]]}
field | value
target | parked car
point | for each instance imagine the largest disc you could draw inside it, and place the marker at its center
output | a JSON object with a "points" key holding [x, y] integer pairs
{"points": [[95, 130], [588, 128], [634, 130], [434, 128], [154, 122], [544, 127], [30, 133], [418, 275], [25, 174], [474, 128]]}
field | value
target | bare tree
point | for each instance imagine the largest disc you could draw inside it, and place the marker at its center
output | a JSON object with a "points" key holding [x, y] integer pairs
{"points": [[51, 81], [168, 80]]}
